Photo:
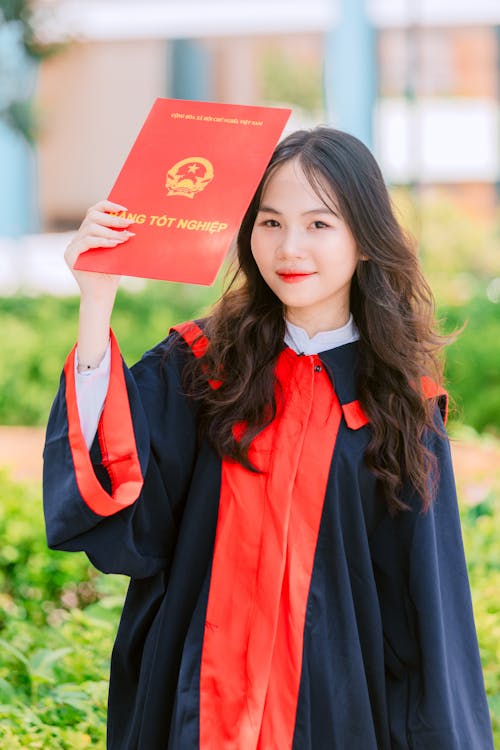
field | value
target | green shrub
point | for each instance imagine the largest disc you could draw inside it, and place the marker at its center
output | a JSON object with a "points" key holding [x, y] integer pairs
{"points": [[472, 363], [481, 531], [38, 332], [58, 619]]}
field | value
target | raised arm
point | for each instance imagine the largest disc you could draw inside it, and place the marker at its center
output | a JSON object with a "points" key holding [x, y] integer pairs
{"points": [[118, 501], [99, 229]]}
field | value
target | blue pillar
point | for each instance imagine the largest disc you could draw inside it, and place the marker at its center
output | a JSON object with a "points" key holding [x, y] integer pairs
{"points": [[350, 71], [192, 74], [18, 211]]}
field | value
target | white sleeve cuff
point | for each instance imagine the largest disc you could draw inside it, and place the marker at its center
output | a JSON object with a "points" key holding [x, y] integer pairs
{"points": [[91, 389]]}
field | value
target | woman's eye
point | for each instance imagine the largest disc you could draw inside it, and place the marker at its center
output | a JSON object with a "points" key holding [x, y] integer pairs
{"points": [[271, 223], [319, 224]]}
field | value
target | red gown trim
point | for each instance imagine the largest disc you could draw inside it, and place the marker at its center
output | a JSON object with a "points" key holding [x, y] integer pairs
{"points": [[197, 342], [266, 537], [431, 389], [354, 415], [267, 531], [116, 440], [193, 336]]}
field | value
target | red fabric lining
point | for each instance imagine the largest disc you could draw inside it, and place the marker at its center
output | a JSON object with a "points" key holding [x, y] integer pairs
{"points": [[431, 389], [265, 544], [197, 342], [116, 440], [354, 415], [193, 336]]}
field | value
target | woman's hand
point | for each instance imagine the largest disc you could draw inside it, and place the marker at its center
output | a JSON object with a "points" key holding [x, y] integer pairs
{"points": [[98, 290], [98, 230]]}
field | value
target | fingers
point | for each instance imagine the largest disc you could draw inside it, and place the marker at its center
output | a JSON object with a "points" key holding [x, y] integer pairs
{"points": [[96, 241], [95, 229], [106, 205], [98, 214], [99, 229], [108, 220], [102, 237]]}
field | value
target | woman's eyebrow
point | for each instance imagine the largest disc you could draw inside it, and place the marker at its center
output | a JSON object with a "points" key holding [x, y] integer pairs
{"points": [[323, 210], [319, 210], [269, 210]]}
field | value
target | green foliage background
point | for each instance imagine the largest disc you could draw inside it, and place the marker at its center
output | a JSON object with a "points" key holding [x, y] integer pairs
{"points": [[58, 618], [38, 332]]}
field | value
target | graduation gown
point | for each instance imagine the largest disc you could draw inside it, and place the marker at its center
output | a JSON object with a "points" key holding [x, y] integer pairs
{"points": [[272, 610]]}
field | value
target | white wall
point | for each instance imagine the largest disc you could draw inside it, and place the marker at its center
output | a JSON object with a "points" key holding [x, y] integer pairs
{"points": [[438, 140]]}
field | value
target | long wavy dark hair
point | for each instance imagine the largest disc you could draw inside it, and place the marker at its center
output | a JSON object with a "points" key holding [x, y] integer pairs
{"points": [[391, 303]]}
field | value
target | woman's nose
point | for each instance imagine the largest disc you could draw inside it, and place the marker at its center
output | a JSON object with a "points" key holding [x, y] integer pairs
{"points": [[290, 245]]}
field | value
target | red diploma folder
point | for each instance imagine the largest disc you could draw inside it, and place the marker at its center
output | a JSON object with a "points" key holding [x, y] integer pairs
{"points": [[187, 183]]}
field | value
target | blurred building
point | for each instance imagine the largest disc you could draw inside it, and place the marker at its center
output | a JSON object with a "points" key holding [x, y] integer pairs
{"points": [[433, 76], [438, 108]]}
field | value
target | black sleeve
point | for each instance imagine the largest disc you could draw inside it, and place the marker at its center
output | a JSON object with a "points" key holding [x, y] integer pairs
{"points": [[435, 688], [121, 503]]}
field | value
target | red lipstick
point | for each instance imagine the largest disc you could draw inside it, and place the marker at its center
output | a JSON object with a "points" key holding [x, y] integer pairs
{"points": [[292, 277]]}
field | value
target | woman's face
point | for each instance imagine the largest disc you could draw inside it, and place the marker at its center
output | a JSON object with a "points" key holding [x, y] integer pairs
{"points": [[305, 252]]}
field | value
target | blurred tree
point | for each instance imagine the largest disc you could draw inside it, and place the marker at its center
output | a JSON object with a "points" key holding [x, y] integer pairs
{"points": [[23, 44], [21, 49], [294, 81], [459, 252]]}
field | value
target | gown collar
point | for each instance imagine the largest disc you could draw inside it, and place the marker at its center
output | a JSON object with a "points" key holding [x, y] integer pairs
{"points": [[338, 350]]}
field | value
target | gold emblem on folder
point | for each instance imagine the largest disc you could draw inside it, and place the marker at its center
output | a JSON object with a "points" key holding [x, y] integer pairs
{"points": [[189, 176]]}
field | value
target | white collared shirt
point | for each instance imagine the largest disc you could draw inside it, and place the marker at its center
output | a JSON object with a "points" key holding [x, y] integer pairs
{"points": [[298, 340]]}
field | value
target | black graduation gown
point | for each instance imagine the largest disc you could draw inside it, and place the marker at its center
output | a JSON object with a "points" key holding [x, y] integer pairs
{"points": [[330, 626]]}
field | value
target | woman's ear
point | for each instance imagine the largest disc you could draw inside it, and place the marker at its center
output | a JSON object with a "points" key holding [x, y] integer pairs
{"points": [[362, 256]]}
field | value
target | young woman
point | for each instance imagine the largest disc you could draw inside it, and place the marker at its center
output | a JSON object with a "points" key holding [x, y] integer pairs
{"points": [[277, 483]]}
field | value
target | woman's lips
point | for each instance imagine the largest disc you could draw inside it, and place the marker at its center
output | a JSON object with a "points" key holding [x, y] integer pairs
{"points": [[293, 277]]}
